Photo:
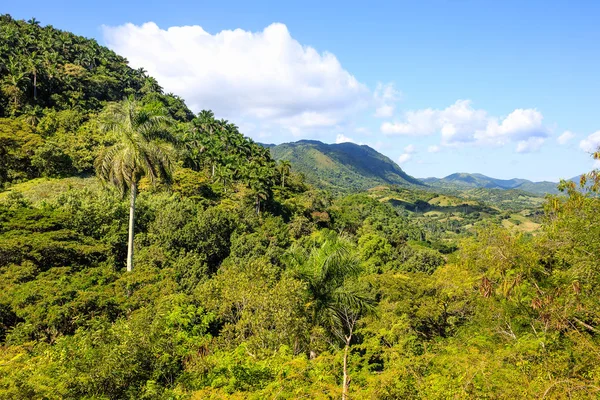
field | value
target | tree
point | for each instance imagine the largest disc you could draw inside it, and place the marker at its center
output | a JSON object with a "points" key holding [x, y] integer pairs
{"points": [[338, 300], [206, 123], [32, 62], [141, 149], [12, 84], [284, 169]]}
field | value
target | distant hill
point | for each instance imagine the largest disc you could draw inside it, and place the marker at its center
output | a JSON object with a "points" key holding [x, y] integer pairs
{"points": [[469, 181], [343, 167]]}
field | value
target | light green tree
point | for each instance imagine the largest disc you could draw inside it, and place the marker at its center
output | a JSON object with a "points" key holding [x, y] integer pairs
{"points": [[142, 149], [331, 273]]}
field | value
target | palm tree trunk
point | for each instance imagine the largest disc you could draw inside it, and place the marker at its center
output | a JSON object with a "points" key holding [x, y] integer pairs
{"points": [[346, 381], [131, 219], [283, 181], [34, 85]]}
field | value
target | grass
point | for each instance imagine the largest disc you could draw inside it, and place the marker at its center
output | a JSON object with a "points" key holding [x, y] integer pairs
{"points": [[44, 189], [520, 223]]}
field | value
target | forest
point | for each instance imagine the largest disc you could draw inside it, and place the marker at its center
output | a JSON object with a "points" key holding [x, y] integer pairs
{"points": [[147, 252]]}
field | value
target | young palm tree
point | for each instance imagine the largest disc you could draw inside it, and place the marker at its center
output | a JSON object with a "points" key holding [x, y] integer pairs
{"points": [[330, 272], [142, 148]]}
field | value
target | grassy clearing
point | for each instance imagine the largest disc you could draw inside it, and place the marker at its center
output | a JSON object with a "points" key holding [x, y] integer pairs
{"points": [[43, 189], [520, 223]]}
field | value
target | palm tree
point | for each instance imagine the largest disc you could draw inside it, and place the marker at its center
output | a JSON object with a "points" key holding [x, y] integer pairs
{"points": [[12, 84], [32, 62], [330, 272], [33, 21], [142, 148], [32, 115], [193, 144], [284, 168], [261, 194], [205, 122]]}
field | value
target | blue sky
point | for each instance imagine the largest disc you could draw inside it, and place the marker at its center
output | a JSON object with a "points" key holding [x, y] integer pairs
{"points": [[438, 86]]}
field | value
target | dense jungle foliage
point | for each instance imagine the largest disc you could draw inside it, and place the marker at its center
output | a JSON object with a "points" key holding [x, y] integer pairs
{"points": [[247, 282]]}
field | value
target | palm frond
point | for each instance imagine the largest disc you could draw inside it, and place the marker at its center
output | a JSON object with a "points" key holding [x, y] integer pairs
{"points": [[142, 145]]}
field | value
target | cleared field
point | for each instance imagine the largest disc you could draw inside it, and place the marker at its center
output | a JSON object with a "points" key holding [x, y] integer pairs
{"points": [[520, 223]]}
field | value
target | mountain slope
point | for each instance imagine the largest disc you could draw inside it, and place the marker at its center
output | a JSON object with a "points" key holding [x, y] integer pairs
{"points": [[344, 166], [43, 68], [469, 181]]}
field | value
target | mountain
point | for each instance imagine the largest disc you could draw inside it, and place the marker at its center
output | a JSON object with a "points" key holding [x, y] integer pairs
{"points": [[53, 85], [469, 181], [343, 167]]}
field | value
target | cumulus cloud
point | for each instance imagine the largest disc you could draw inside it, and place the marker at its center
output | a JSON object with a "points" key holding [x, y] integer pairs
{"points": [[565, 137], [530, 145], [460, 123], [386, 97], [410, 149], [404, 158], [433, 149], [591, 143], [408, 153], [266, 77]]}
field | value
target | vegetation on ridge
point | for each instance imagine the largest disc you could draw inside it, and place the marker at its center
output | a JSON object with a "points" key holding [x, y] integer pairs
{"points": [[341, 167], [251, 283]]}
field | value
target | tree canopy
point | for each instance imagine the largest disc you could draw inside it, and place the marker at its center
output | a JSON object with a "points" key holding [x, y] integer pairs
{"points": [[249, 282]]}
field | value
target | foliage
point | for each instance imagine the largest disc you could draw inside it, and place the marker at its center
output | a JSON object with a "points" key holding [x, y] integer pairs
{"points": [[250, 283], [341, 167]]}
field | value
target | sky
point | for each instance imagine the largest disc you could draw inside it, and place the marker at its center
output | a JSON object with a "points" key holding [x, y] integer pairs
{"points": [[504, 88]]}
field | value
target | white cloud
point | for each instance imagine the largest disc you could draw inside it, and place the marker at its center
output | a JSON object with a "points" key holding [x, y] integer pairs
{"points": [[417, 123], [340, 138], [521, 125], [460, 123], [266, 77], [591, 143], [565, 137], [404, 158], [384, 111], [408, 153], [385, 97], [433, 149], [530, 145]]}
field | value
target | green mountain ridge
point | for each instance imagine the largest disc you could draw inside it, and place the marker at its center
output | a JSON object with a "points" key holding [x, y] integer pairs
{"points": [[343, 166], [469, 181]]}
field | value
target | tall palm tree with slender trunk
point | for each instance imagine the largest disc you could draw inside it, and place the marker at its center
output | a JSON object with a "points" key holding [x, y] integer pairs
{"points": [[32, 62], [284, 168], [142, 148]]}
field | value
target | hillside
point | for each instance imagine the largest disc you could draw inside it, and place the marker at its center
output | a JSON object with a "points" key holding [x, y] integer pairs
{"points": [[249, 283], [344, 166], [53, 85], [42, 68], [469, 181]]}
